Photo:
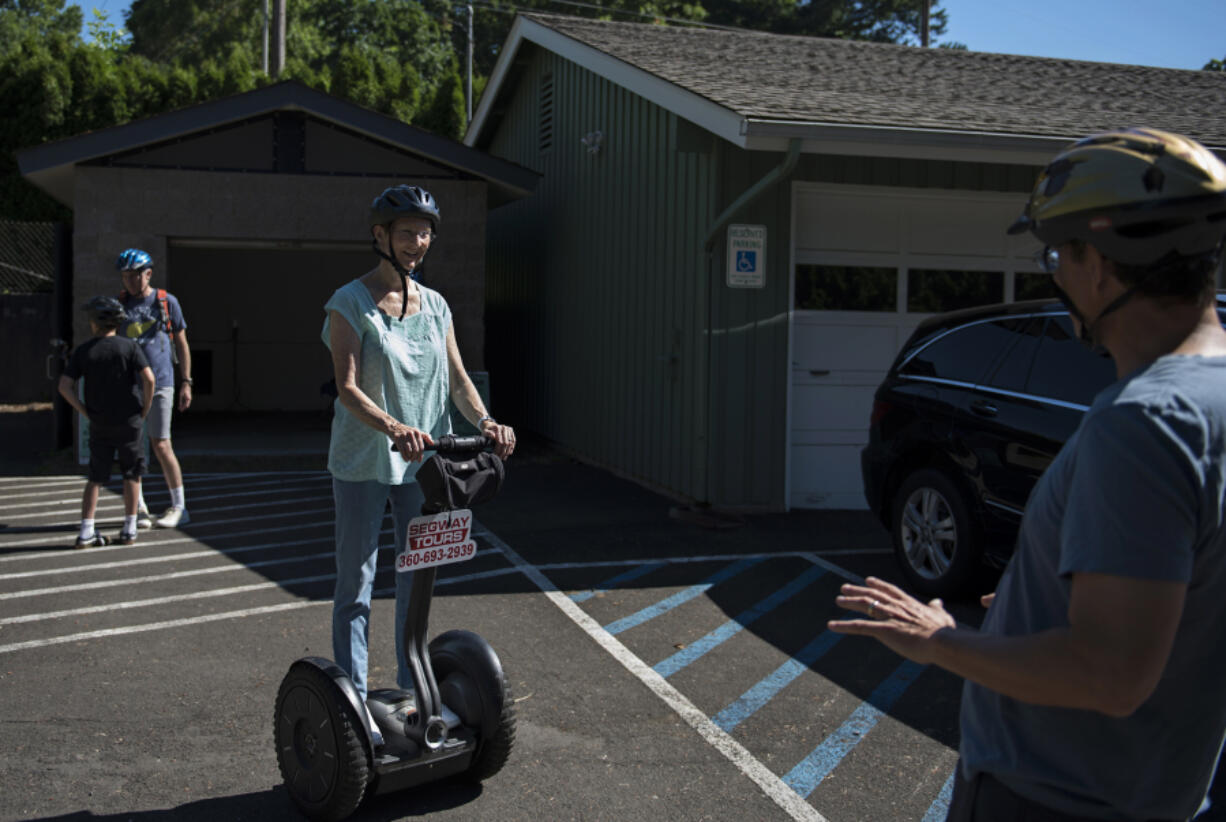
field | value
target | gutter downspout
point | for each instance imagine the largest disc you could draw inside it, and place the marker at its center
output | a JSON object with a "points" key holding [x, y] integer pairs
{"points": [[748, 196], [754, 191]]}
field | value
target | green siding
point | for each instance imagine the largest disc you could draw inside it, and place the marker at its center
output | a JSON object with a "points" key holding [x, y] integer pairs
{"points": [[596, 303], [610, 329]]}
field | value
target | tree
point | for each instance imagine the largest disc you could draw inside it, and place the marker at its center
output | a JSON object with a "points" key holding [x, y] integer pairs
{"points": [[446, 112], [41, 20], [327, 41], [1214, 65]]}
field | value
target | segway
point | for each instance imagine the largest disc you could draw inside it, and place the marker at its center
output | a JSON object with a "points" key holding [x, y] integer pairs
{"points": [[458, 719]]}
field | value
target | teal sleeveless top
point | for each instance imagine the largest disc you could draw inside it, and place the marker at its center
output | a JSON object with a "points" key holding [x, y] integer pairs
{"points": [[402, 367]]}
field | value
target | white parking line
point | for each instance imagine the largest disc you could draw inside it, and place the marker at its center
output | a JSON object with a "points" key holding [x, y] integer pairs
{"points": [[93, 552], [774, 787], [220, 569], [153, 542], [22, 494], [114, 504], [196, 620]]}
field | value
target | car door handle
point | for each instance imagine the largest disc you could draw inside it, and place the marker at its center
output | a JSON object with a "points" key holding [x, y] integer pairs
{"points": [[983, 408]]}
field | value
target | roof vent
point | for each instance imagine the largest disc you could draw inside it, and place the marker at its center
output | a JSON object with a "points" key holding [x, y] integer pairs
{"points": [[546, 112]]}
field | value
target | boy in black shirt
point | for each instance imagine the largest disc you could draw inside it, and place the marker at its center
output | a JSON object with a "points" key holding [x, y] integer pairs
{"points": [[118, 394]]}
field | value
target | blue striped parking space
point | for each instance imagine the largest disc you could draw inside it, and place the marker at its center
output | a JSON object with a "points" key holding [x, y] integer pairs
{"points": [[813, 584]]}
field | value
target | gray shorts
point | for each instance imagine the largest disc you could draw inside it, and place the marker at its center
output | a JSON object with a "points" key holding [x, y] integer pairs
{"points": [[157, 424]]}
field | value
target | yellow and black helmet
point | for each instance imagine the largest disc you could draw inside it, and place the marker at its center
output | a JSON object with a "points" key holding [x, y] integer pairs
{"points": [[1137, 195]]}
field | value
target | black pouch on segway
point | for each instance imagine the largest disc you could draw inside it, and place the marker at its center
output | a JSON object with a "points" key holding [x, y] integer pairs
{"points": [[451, 481]]}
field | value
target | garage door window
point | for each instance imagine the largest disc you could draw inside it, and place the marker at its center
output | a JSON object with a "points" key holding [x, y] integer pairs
{"points": [[932, 291], [1030, 286], [846, 288]]}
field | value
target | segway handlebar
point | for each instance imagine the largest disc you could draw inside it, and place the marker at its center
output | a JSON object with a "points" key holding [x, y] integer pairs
{"points": [[452, 444]]}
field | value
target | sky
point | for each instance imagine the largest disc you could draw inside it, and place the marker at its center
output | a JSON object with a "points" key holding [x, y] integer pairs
{"points": [[1169, 33]]}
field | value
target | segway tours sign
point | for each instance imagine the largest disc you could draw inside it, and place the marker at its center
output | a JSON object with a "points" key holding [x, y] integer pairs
{"points": [[437, 539], [746, 256]]}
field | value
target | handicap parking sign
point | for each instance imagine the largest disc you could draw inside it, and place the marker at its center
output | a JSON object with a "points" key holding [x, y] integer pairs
{"points": [[746, 256]]}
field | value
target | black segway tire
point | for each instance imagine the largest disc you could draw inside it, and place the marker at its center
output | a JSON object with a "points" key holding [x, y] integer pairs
{"points": [[473, 684], [319, 750]]}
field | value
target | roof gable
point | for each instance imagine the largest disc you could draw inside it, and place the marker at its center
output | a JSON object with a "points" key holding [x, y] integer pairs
{"points": [[281, 141], [283, 128]]}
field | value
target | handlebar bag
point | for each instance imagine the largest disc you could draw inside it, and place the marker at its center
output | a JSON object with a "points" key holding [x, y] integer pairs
{"points": [[454, 481]]}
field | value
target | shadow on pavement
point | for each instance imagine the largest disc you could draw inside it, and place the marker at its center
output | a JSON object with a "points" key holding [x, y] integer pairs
{"points": [[274, 804]]}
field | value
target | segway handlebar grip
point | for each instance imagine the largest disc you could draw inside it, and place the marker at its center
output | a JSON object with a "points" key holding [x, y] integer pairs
{"points": [[450, 443]]}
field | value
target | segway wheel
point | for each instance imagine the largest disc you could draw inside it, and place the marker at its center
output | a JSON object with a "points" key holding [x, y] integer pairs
{"points": [[319, 750], [472, 683]]}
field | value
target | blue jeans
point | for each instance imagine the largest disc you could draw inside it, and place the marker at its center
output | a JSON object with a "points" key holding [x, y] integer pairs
{"points": [[360, 507]]}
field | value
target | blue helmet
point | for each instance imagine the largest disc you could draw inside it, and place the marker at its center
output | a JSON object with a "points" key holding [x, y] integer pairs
{"points": [[133, 259]]}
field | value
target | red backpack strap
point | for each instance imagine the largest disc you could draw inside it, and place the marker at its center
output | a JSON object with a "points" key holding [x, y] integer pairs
{"points": [[162, 301]]}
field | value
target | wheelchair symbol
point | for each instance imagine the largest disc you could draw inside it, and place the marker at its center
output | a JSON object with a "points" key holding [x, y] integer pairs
{"points": [[747, 261]]}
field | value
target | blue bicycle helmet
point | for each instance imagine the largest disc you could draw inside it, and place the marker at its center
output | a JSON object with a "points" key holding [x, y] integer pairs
{"points": [[133, 259]]}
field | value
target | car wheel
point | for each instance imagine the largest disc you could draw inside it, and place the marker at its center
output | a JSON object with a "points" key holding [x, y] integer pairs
{"points": [[935, 541]]}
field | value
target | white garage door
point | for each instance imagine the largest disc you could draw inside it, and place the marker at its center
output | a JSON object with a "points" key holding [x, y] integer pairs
{"points": [[868, 264]]}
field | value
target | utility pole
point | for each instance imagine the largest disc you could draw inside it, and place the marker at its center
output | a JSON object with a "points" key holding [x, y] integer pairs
{"points": [[468, 85], [924, 9], [265, 62], [278, 37]]}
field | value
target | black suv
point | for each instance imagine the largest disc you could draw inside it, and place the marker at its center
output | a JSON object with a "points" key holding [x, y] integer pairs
{"points": [[973, 410]]}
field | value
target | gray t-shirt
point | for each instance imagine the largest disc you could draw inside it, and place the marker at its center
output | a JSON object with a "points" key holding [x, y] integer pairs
{"points": [[1136, 492]]}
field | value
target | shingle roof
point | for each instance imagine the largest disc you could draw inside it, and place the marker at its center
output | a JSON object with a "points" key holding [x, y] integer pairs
{"points": [[821, 80]]}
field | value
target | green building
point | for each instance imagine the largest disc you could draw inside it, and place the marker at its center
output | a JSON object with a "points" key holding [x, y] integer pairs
{"points": [[735, 231]]}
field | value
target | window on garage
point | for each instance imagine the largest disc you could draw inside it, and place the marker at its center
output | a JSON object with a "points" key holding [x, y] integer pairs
{"points": [[846, 288], [875, 288], [931, 291], [1033, 286]]}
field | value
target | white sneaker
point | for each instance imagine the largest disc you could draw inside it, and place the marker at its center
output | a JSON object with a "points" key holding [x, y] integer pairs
{"points": [[144, 520], [174, 517]]}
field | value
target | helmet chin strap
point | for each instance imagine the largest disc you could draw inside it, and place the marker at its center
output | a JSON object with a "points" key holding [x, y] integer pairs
{"points": [[401, 270], [1087, 327]]}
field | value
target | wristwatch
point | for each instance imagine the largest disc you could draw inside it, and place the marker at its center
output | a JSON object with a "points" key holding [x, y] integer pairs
{"points": [[481, 421], [187, 380]]}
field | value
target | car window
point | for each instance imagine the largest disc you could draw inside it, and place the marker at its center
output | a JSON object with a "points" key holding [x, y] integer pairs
{"points": [[1067, 370], [964, 354], [1013, 369]]}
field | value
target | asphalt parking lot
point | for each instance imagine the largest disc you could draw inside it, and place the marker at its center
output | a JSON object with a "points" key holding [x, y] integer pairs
{"points": [[661, 668]]}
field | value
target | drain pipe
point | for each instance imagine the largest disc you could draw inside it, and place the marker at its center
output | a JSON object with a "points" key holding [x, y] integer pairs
{"points": [[754, 191], [748, 196]]}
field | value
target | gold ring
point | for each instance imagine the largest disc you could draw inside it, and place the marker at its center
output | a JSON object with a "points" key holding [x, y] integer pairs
{"points": [[871, 607]]}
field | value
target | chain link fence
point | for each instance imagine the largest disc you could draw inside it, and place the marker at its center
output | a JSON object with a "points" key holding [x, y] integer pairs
{"points": [[28, 331], [27, 257]]}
